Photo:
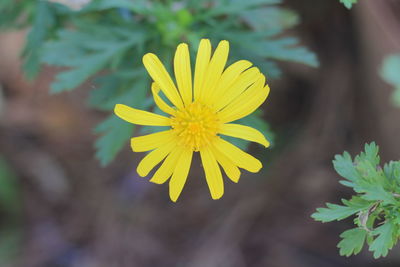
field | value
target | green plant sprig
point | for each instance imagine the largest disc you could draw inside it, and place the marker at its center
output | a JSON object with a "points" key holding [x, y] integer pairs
{"points": [[375, 204]]}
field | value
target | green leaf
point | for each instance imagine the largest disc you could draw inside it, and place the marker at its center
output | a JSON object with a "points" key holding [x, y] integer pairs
{"points": [[348, 3], [352, 241], [85, 53], [232, 7], [10, 198], [390, 69], [392, 171], [284, 49], [375, 192], [370, 154], [44, 21], [345, 167], [391, 74], [338, 212], [116, 133], [385, 240], [16, 16], [138, 6], [270, 19]]}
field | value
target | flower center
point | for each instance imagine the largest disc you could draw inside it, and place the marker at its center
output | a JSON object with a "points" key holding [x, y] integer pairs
{"points": [[196, 125]]}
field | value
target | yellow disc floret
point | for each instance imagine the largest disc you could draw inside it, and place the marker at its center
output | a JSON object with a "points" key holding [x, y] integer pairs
{"points": [[196, 125]]}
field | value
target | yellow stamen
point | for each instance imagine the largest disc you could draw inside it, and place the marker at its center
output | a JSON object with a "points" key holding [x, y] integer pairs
{"points": [[196, 125]]}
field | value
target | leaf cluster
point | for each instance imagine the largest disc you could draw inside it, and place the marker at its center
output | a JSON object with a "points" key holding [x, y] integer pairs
{"points": [[375, 204], [104, 41]]}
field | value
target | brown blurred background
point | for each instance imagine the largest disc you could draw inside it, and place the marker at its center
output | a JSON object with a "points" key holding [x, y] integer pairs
{"points": [[78, 214]]}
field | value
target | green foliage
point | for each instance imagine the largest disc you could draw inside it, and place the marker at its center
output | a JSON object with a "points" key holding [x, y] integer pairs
{"points": [[352, 241], [376, 203], [102, 44], [390, 72], [10, 208], [348, 3], [16, 15]]}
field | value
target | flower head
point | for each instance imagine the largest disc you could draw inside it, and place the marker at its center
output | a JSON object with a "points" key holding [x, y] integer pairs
{"points": [[198, 113]]}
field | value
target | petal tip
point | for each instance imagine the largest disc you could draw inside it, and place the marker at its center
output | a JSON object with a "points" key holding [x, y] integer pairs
{"points": [[119, 109], [256, 168], [218, 196], [133, 145], [182, 45], [265, 143], [147, 57], [141, 171], [224, 42], [155, 181], [173, 197]]}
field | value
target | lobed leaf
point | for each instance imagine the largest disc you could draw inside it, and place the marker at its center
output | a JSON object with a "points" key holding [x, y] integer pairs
{"points": [[385, 240], [352, 241], [339, 212]]}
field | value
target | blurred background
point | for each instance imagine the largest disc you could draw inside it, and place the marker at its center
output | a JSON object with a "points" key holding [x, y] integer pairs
{"points": [[70, 195]]}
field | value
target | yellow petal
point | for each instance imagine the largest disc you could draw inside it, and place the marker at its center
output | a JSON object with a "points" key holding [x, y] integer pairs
{"points": [[140, 117], [183, 73], [153, 158], [155, 89], [160, 75], [151, 141], [237, 156], [180, 174], [246, 103], [243, 132], [202, 61], [245, 79], [228, 77], [214, 71], [167, 167], [231, 170], [213, 173]]}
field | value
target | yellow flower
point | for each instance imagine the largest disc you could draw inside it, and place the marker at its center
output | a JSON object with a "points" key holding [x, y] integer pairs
{"points": [[201, 112]]}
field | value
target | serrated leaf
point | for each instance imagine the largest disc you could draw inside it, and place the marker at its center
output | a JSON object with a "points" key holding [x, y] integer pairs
{"points": [[370, 154], [285, 49], [392, 171], [113, 90], [384, 242], [352, 241], [338, 212], [374, 192], [345, 167], [116, 133], [86, 53], [44, 20]]}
